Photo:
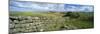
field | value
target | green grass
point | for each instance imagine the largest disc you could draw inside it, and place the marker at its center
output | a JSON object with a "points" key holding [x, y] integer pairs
{"points": [[80, 24], [71, 22]]}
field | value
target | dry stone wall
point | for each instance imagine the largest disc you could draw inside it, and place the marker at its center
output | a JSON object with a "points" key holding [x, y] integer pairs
{"points": [[19, 24]]}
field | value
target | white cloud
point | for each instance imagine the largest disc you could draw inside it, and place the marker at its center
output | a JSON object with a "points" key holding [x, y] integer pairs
{"points": [[82, 2], [51, 6]]}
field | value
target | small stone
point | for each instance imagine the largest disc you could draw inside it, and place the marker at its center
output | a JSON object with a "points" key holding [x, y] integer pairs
{"points": [[36, 17], [41, 30], [15, 21]]}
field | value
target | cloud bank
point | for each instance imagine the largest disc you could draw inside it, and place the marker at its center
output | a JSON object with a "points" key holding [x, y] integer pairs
{"points": [[38, 6]]}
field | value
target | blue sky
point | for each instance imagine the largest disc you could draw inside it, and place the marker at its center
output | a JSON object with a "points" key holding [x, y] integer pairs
{"points": [[37, 6]]}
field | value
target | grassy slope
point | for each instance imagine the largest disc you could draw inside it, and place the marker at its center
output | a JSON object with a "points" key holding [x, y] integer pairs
{"points": [[71, 23]]}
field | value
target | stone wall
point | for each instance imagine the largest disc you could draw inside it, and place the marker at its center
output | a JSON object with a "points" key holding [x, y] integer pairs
{"points": [[22, 24]]}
